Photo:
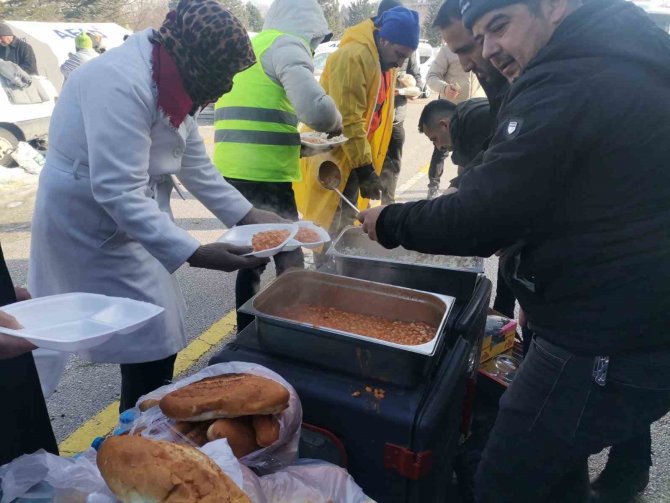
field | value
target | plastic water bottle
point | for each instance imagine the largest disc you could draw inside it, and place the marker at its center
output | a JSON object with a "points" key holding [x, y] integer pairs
{"points": [[126, 420], [97, 442]]}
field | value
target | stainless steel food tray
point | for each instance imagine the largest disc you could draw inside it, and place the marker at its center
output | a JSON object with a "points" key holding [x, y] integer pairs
{"points": [[364, 356], [354, 244]]}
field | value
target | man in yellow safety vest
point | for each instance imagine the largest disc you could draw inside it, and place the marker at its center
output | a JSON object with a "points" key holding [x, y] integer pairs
{"points": [[257, 143]]}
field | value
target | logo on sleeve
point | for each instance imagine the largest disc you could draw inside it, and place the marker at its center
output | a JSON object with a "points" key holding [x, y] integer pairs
{"points": [[513, 127]]}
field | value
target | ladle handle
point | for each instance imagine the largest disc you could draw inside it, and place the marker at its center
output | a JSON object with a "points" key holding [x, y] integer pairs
{"points": [[347, 201]]}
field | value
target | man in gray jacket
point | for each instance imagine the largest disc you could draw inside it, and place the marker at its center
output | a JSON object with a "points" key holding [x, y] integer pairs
{"points": [[257, 141]]}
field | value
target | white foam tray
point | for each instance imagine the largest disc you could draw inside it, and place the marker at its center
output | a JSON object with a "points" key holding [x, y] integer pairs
{"points": [[76, 321], [294, 244], [329, 144], [242, 235]]}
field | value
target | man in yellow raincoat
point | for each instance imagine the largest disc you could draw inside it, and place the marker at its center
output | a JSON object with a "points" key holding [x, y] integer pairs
{"points": [[360, 76]]}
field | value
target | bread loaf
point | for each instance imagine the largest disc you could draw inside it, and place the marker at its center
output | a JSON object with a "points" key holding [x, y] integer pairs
{"points": [[147, 404], [238, 431], [266, 429], [225, 396], [184, 427], [198, 435], [140, 469]]}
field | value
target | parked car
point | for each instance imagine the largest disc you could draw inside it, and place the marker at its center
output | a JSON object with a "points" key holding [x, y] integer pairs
{"points": [[424, 68], [24, 114], [321, 55]]}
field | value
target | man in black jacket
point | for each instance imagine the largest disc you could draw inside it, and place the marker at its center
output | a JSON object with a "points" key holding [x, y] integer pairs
{"points": [[462, 129], [25, 419], [461, 42], [582, 137], [17, 51]]}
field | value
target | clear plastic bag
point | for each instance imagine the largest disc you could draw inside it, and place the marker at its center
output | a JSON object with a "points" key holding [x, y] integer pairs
{"points": [[28, 158], [252, 486], [46, 477], [153, 423], [313, 481]]}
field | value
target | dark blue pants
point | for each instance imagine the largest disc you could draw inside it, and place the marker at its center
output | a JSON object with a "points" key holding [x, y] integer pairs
{"points": [[279, 198], [138, 379], [554, 415], [392, 163], [436, 168]]}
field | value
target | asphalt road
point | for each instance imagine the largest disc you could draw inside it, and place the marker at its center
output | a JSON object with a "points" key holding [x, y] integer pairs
{"points": [[87, 388]]}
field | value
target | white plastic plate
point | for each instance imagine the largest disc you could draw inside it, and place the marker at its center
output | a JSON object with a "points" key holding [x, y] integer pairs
{"points": [[324, 143], [294, 244], [242, 234], [76, 321]]}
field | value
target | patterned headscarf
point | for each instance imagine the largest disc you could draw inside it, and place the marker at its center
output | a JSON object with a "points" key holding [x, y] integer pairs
{"points": [[209, 46]]}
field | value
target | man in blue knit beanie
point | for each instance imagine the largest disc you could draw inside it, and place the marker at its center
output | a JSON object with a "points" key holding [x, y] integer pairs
{"points": [[360, 77], [397, 27]]}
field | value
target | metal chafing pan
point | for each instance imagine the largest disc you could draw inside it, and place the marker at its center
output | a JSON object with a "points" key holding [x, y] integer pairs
{"points": [[354, 244], [344, 351]]}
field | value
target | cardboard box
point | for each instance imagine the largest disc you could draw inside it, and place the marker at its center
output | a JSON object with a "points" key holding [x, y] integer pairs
{"points": [[498, 340]]}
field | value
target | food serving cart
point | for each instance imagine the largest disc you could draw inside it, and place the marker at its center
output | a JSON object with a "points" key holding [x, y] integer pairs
{"points": [[392, 415]]}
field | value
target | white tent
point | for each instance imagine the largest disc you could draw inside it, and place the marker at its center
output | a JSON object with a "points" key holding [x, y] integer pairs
{"points": [[53, 42]]}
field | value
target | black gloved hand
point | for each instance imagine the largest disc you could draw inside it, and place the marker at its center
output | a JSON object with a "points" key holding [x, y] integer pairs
{"points": [[225, 257], [369, 183]]}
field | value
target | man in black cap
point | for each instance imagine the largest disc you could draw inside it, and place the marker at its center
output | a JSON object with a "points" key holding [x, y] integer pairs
{"points": [[17, 51], [582, 138]]}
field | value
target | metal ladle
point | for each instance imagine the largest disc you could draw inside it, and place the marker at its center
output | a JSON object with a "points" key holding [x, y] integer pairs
{"points": [[330, 178]]}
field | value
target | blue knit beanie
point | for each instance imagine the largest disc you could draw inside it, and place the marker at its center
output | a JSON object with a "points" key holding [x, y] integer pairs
{"points": [[400, 25]]}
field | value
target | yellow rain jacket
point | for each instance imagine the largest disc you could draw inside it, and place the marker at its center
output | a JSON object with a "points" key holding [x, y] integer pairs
{"points": [[352, 77]]}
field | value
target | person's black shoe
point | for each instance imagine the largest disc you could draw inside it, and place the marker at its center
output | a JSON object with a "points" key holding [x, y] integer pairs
{"points": [[616, 485]]}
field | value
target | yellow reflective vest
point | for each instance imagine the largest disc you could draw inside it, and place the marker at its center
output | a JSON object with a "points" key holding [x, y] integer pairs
{"points": [[256, 128]]}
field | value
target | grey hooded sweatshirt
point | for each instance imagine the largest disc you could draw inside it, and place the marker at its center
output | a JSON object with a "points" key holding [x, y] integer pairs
{"points": [[289, 61]]}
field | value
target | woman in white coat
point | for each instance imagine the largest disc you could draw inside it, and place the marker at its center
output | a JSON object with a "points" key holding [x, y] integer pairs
{"points": [[123, 126]]}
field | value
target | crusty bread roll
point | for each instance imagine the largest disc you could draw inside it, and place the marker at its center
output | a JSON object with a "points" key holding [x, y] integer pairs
{"points": [[198, 434], [147, 404], [140, 469], [266, 429], [184, 427], [238, 431], [230, 395]]}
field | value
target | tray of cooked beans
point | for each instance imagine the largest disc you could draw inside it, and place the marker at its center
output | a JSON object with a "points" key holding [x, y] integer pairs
{"points": [[373, 329]]}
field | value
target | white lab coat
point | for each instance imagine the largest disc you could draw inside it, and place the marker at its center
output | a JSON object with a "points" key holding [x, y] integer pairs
{"points": [[102, 220]]}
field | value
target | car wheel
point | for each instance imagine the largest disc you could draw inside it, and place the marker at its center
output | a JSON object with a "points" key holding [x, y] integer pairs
{"points": [[8, 143]]}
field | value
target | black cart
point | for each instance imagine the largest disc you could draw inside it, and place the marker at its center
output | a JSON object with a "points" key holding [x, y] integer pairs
{"points": [[397, 440]]}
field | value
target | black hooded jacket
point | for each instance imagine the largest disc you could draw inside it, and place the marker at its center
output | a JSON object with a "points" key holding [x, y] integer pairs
{"points": [[575, 185], [470, 130], [20, 53], [473, 131]]}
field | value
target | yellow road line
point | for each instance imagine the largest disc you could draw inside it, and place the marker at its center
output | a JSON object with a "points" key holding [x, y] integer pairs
{"points": [[425, 169], [105, 420]]}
